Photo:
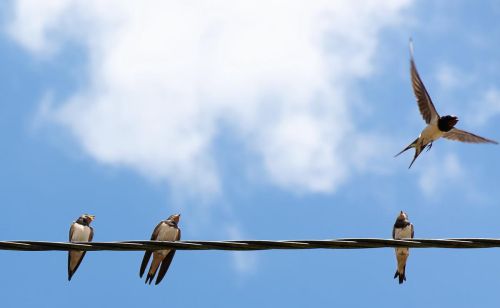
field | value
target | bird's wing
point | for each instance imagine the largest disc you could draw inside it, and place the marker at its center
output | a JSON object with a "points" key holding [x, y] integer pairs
{"points": [[394, 233], [165, 264], [75, 257], [71, 230], [412, 231], [463, 136], [424, 101], [147, 254], [74, 260]]}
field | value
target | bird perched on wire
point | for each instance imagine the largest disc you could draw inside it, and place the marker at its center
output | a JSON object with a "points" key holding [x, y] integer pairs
{"points": [[402, 229], [437, 126], [80, 231], [166, 230]]}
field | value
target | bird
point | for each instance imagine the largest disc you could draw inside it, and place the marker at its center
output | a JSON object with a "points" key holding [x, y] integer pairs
{"points": [[166, 230], [403, 228], [80, 231], [437, 126]]}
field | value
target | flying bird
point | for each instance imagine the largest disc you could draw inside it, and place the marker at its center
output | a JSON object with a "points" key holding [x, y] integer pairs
{"points": [[80, 231], [402, 229], [437, 126], [166, 230]]}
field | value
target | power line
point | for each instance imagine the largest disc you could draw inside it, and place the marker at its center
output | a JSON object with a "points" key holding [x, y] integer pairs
{"points": [[243, 245]]}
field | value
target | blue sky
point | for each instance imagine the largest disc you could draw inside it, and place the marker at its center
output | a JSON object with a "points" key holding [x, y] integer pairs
{"points": [[275, 123]]}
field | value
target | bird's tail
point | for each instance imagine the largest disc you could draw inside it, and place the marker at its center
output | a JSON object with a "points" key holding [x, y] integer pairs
{"points": [[401, 275], [149, 278], [412, 145]]}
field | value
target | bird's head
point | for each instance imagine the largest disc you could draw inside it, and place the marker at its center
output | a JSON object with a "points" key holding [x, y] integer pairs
{"points": [[175, 218], [86, 219], [446, 123], [402, 216]]}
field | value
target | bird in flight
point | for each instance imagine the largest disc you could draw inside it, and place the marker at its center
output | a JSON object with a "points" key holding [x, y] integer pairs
{"points": [[166, 230], [80, 231], [402, 229], [437, 126]]}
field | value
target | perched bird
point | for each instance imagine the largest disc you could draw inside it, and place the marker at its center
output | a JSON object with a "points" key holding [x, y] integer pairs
{"points": [[437, 126], [402, 229], [166, 230], [80, 231]]}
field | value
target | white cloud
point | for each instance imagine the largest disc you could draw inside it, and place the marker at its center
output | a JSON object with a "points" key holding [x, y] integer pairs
{"points": [[164, 75], [440, 174], [450, 77], [244, 262], [486, 108]]}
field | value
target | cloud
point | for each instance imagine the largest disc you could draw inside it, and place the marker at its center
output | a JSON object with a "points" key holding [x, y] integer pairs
{"points": [[450, 77], [441, 174], [244, 262], [164, 77], [486, 108]]}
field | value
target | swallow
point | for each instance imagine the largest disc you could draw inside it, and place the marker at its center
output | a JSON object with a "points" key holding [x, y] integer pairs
{"points": [[402, 229], [80, 231], [166, 230], [437, 126]]}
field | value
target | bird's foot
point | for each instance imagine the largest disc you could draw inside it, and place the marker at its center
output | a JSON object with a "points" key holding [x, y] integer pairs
{"points": [[429, 146]]}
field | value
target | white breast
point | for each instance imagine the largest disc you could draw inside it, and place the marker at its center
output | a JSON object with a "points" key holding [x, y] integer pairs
{"points": [[80, 233], [430, 133], [405, 232]]}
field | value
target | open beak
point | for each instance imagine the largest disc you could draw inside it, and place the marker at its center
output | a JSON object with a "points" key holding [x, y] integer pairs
{"points": [[92, 217], [177, 217]]}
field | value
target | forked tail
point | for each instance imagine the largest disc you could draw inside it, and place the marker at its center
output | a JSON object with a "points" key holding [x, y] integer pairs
{"points": [[402, 276], [412, 145]]}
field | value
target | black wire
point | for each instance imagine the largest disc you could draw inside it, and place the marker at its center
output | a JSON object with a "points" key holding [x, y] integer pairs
{"points": [[347, 243]]}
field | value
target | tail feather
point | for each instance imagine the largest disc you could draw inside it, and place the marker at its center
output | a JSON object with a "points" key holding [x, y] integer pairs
{"points": [[149, 278], [401, 276], [412, 145], [413, 160]]}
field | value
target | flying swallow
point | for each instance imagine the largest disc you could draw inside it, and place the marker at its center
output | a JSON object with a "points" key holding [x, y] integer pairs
{"points": [[166, 230], [437, 126], [80, 231], [402, 229]]}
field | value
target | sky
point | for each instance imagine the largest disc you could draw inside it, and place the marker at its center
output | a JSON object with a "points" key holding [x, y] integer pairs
{"points": [[272, 120]]}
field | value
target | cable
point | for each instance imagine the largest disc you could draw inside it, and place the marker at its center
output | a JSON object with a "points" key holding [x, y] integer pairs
{"points": [[347, 243]]}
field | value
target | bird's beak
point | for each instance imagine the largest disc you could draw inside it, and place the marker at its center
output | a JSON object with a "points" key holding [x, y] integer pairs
{"points": [[92, 217], [177, 217]]}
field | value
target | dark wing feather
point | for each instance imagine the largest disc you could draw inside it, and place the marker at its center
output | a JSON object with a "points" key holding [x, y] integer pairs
{"points": [[72, 272], [147, 254], [463, 136], [393, 233], [424, 101], [412, 231], [71, 231], [145, 261], [165, 264]]}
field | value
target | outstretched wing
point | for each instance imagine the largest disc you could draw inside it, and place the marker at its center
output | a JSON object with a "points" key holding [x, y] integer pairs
{"points": [[463, 136], [427, 109]]}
